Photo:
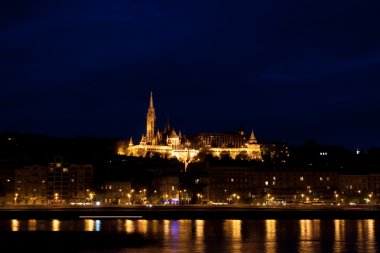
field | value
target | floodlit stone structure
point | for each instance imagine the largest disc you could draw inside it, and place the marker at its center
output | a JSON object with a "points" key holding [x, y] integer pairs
{"points": [[168, 143]]}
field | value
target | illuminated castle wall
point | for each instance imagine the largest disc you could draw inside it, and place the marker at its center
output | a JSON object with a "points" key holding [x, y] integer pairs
{"points": [[167, 143]]}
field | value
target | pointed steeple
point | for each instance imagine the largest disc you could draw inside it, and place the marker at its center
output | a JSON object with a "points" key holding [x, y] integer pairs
{"points": [[150, 121], [173, 134], [159, 135], [143, 140], [151, 100], [130, 142], [252, 138]]}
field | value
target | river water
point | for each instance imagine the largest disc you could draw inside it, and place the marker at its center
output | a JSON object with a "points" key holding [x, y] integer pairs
{"points": [[272, 236]]}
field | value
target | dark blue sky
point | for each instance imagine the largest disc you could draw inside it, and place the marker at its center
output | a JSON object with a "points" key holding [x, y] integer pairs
{"points": [[289, 70]]}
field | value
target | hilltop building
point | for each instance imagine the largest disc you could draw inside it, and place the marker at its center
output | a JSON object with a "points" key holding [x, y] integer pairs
{"points": [[167, 143]]}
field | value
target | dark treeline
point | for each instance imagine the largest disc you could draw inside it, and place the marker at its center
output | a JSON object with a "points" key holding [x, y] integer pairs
{"points": [[18, 149]]}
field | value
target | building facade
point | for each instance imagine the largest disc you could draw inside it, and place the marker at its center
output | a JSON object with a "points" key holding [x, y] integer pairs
{"points": [[69, 183], [251, 185], [30, 185]]}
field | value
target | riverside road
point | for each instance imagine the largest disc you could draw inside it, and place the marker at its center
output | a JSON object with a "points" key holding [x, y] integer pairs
{"points": [[190, 212]]}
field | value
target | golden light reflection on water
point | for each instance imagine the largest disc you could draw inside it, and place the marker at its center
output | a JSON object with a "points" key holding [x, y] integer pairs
{"points": [[142, 226], [270, 236], [55, 225], [184, 230], [360, 230], [32, 225], [199, 230], [120, 225], [129, 226], [89, 225], [370, 225], [232, 229], [15, 225], [309, 235], [166, 230], [339, 235], [366, 240], [199, 235], [155, 226], [339, 230]]}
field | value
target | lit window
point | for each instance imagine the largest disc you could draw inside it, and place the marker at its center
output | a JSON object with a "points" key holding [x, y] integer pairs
{"points": [[266, 182], [327, 178], [308, 187], [65, 170], [301, 178], [321, 178], [232, 180], [274, 178]]}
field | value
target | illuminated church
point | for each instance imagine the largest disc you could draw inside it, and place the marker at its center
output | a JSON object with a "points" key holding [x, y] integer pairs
{"points": [[167, 143]]}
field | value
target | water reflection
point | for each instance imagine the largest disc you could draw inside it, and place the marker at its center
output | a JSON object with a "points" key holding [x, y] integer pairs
{"points": [[129, 226], [32, 225], [89, 225], [119, 225], [142, 226], [232, 229], [370, 228], [199, 235], [339, 236], [270, 236], [366, 236], [228, 235], [166, 230], [309, 236], [97, 225], [55, 225], [155, 226], [15, 225]]}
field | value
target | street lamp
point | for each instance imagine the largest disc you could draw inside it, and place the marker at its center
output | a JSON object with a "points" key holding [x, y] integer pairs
{"points": [[16, 195], [91, 196]]}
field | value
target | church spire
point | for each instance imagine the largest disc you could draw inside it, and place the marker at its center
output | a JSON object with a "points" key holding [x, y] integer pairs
{"points": [[151, 99], [252, 138], [150, 121], [130, 142]]}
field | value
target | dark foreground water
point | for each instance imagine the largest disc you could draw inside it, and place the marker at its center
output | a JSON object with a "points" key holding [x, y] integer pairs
{"points": [[221, 235]]}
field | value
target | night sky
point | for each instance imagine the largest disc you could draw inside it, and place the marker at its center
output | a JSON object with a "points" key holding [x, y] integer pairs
{"points": [[289, 70]]}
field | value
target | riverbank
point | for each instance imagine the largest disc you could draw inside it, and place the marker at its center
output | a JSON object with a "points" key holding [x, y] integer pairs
{"points": [[190, 212]]}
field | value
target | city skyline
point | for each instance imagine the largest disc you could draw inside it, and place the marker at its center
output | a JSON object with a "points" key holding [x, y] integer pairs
{"points": [[293, 72]]}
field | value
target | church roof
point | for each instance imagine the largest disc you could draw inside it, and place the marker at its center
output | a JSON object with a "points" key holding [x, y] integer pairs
{"points": [[252, 138], [173, 134]]}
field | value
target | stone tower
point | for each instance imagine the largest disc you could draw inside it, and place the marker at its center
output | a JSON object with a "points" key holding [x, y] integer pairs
{"points": [[150, 121]]}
